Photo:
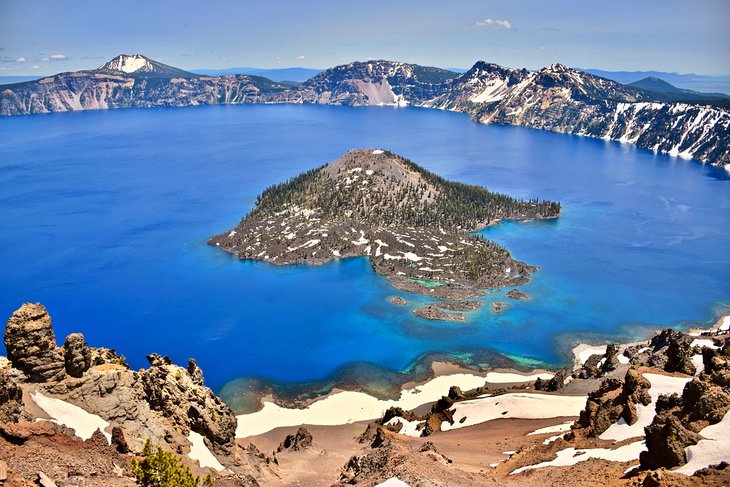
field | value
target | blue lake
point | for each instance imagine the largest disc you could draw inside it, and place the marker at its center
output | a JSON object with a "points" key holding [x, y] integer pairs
{"points": [[105, 215]]}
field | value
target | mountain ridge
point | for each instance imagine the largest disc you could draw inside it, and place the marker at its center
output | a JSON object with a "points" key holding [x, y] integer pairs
{"points": [[555, 98]]}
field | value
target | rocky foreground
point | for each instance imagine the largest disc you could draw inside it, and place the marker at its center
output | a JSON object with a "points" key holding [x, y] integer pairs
{"points": [[410, 223], [656, 414]]}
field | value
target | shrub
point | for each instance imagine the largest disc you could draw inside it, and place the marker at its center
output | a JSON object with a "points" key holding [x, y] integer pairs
{"points": [[164, 469]]}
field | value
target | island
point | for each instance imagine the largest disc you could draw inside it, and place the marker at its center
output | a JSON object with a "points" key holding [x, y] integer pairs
{"points": [[417, 229]]}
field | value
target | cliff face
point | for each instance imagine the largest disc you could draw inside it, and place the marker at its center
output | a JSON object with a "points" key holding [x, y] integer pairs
{"points": [[89, 90], [554, 98]]}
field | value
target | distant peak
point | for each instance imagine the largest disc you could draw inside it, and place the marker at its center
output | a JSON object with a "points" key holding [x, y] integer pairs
{"points": [[557, 68], [129, 63]]}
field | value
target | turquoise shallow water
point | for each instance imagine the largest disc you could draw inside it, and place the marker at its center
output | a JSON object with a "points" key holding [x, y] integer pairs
{"points": [[105, 216]]}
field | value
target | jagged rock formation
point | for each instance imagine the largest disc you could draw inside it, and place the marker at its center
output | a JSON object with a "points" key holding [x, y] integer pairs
{"points": [[171, 390], [411, 224], [614, 399], [31, 344], [679, 419], [77, 355], [300, 440], [114, 392], [670, 350], [554, 98]]}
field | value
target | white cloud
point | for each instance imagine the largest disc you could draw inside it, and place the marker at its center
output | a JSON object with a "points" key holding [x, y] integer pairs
{"points": [[300, 57], [490, 22], [35, 66], [20, 60], [57, 57]]}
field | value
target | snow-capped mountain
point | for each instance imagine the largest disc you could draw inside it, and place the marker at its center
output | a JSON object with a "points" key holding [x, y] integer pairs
{"points": [[139, 65], [555, 98]]}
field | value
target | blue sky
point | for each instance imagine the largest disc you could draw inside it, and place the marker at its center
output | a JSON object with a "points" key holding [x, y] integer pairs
{"points": [[48, 36]]}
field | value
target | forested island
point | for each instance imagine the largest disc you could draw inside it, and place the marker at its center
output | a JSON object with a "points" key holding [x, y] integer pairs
{"points": [[416, 227]]}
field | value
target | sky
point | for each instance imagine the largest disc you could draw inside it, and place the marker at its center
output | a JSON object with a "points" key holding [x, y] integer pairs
{"points": [[41, 37]]}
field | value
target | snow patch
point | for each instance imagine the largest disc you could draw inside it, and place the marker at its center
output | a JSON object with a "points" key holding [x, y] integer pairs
{"points": [[64, 413], [200, 452], [571, 456], [517, 405], [350, 406], [660, 384], [713, 449], [704, 342], [558, 428]]}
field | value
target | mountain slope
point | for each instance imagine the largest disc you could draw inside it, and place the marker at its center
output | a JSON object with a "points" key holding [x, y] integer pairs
{"points": [[565, 100], [376, 83]]}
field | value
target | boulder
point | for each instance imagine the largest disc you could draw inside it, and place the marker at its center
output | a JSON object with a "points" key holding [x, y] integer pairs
{"points": [[31, 344], [76, 354], [613, 400], [300, 440]]}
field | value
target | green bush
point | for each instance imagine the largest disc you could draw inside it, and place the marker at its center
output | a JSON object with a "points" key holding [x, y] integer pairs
{"points": [[164, 469]]}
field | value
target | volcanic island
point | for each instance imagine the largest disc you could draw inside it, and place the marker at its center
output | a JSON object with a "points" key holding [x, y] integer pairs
{"points": [[418, 230]]}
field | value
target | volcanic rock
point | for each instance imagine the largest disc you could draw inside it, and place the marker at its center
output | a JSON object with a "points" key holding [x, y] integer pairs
{"points": [[300, 440], [31, 344], [77, 355]]}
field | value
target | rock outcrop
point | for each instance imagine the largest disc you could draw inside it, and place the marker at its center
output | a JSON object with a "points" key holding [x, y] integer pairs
{"points": [[11, 398], [77, 355], [171, 390], [614, 399], [679, 419], [31, 344], [300, 440]]}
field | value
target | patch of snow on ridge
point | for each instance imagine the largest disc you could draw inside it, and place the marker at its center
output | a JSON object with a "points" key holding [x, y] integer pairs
{"points": [[703, 342], [584, 352], [350, 406], [201, 453], [571, 456], [516, 405], [409, 428], [378, 151], [713, 449], [558, 428], [393, 482], [64, 413], [660, 384], [699, 363]]}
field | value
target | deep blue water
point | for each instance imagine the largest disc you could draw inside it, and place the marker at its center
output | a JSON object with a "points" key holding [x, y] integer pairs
{"points": [[104, 218]]}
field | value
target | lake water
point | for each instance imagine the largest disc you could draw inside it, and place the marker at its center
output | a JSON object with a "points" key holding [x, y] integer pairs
{"points": [[105, 217]]}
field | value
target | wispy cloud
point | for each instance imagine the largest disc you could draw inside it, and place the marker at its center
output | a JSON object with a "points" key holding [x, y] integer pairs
{"points": [[57, 57], [20, 60], [300, 57], [504, 23]]}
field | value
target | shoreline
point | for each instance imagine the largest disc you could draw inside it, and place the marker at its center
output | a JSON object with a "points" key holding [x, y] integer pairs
{"points": [[342, 406]]}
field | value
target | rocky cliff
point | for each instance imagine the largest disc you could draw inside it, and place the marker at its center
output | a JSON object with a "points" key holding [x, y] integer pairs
{"points": [[76, 389], [554, 98]]}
